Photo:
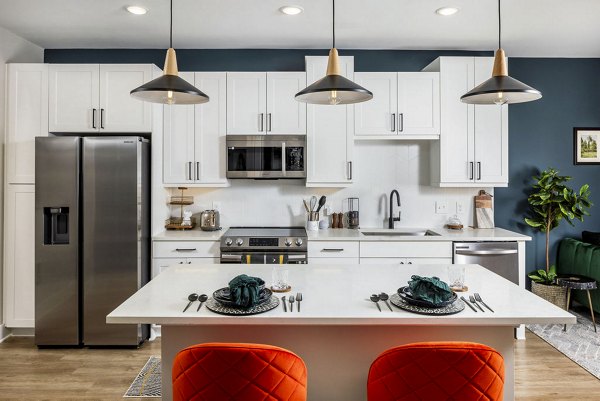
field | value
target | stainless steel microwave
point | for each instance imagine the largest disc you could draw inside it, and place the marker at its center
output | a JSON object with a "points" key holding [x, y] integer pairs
{"points": [[266, 156]]}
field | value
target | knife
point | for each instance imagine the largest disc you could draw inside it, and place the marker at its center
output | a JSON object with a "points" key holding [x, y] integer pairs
{"points": [[470, 306], [478, 298]]}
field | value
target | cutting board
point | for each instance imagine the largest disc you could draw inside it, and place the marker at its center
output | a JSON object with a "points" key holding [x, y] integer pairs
{"points": [[484, 211]]}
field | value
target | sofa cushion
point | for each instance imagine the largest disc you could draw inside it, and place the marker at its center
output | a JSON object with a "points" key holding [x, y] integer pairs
{"points": [[590, 237], [577, 257]]}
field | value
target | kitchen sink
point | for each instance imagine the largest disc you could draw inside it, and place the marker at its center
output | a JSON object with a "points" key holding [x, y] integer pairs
{"points": [[415, 232]]}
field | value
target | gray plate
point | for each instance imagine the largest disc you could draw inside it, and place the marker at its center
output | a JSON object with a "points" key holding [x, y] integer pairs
{"points": [[221, 309], [451, 309]]}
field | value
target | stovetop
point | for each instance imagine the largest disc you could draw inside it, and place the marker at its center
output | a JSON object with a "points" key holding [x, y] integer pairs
{"points": [[273, 232]]}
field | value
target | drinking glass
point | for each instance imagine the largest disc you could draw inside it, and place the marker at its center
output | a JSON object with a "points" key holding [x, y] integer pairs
{"points": [[456, 277], [279, 279]]}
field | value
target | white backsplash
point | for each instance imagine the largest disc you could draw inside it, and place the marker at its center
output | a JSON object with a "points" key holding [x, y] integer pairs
{"points": [[379, 167]]}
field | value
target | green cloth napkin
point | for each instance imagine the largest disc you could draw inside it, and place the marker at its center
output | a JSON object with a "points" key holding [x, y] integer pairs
{"points": [[430, 289], [244, 290]]}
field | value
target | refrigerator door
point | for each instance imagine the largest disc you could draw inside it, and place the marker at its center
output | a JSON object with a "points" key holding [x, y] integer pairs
{"points": [[57, 307], [115, 234]]}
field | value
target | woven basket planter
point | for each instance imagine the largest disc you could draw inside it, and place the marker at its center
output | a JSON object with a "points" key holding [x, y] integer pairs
{"points": [[554, 294]]}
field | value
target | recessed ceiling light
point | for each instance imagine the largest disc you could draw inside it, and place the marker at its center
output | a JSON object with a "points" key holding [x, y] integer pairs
{"points": [[446, 11], [137, 10], [291, 10]]}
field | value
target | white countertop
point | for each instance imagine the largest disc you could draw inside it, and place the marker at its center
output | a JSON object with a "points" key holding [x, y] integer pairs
{"points": [[345, 234], [333, 295]]}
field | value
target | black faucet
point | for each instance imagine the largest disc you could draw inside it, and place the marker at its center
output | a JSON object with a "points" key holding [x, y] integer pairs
{"points": [[392, 219]]}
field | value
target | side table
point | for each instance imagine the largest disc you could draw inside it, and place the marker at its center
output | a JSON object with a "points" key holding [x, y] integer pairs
{"points": [[578, 282]]}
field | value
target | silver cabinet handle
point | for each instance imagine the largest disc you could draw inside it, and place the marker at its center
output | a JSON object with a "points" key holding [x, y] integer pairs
{"points": [[102, 118], [393, 122], [401, 123], [185, 249], [93, 118], [332, 250], [489, 252], [471, 170], [261, 117], [479, 171], [197, 171], [189, 171], [269, 129], [349, 170]]}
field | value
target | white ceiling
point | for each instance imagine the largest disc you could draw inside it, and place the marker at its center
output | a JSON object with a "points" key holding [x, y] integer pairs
{"points": [[531, 28]]}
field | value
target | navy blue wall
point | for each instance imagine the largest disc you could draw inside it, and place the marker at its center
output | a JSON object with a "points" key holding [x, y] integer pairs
{"points": [[540, 132]]}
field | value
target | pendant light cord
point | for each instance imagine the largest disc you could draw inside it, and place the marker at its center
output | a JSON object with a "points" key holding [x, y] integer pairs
{"points": [[333, 26], [171, 27], [499, 26]]}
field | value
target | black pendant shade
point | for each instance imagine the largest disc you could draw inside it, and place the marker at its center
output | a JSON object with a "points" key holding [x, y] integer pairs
{"points": [[501, 90], [334, 89], [169, 89]]}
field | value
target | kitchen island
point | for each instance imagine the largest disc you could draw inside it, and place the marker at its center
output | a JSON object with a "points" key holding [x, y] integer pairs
{"points": [[339, 331]]}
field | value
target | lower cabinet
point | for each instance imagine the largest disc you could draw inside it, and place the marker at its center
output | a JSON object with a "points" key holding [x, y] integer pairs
{"points": [[333, 252], [167, 254], [333, 261], [159, 265], [406, 261], [19, 259]]}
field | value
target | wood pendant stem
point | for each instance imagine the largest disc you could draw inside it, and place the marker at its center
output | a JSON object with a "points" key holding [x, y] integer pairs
{"points": [[171, 63], [333, 64], [500, 67]]}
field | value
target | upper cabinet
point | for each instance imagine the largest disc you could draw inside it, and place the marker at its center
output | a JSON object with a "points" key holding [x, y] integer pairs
{"points": [[194, 151], [329, 132], [405, 105], [27, 117], [261, 103], [95, 98], [473, 146]]}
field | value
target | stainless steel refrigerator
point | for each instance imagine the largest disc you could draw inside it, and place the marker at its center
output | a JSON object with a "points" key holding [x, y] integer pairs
{"points": [[92, 249]]}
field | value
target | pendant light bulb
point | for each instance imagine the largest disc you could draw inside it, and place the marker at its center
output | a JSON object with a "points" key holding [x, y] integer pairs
{"points": [[501, 88]]}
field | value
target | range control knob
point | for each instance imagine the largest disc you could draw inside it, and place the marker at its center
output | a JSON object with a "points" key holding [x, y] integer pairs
{"points": [[299, 241], [239, 242], [228, 241], [288, 242]]}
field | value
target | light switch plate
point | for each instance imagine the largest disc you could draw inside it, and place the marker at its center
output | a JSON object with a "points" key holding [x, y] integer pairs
{"points": [[441, 207], [460, 207]]}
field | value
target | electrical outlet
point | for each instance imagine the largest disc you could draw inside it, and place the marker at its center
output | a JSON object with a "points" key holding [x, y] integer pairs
{"points": [[216, 206], [441, 207], [460, 207]]}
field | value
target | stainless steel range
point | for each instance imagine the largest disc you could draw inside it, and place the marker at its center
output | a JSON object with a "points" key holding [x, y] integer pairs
{"points": [[264, 245]]}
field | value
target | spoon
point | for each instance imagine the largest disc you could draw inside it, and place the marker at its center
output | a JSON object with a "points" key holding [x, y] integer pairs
{"points": [[384, 297], [322, 201], [192, 297], [283, 301], [299, 298], [292, 303], [375, 298], [202, 298]]}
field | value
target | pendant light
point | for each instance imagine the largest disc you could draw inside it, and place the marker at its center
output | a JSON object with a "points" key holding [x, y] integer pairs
{"points": [[501, 88], [334, 88], [170, 88]]}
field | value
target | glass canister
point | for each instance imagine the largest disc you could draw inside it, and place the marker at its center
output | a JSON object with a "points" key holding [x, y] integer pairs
{"points": [[353, 214]]}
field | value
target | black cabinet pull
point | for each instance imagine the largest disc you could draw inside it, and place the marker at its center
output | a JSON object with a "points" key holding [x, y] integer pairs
{"points": [[185, 249], [93, 118], [102, 118]]}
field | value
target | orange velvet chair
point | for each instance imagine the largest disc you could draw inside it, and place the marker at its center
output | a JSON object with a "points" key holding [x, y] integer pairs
{"points": [[238, 372], [437, 371]]}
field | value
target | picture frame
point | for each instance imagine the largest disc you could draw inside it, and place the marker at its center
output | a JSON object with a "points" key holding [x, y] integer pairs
{"points": [[586, 146]]}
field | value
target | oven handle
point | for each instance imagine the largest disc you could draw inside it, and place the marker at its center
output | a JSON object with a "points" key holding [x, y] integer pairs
{"points": [[488, 252], [231, 258], [283, 158]]}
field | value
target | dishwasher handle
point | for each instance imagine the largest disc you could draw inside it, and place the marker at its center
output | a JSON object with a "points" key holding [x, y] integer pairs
{"points": [[486, 252]]}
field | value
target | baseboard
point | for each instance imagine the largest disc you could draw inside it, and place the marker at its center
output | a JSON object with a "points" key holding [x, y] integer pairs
{"points": [[4, 332], [23, 332]]}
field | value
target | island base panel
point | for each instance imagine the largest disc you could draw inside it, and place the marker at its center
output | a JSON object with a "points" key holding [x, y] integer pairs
{"points": [[337, 357]]}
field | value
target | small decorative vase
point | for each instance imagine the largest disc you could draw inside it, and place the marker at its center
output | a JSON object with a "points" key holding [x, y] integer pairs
{"points": [[554, 294]]}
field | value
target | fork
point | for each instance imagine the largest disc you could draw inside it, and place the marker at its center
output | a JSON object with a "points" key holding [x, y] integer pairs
{"points": [[478, 298], [299, 298], [292, 299], [474, 302]]}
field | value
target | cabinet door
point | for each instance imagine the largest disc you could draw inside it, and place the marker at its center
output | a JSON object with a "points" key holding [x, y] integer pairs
{"points": [[491, 134], [19, 259], [378, 115], [246, 103], [382, 261], [27, 117], [457, 135], [333, 261], [418, 103], [74, 97], [159, 265], [329, 132], [119, 112], [210, 130], [285, 115], [178, 140]]}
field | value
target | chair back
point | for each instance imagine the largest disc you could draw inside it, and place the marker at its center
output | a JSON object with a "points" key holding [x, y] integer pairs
{"points": [[244, 372]]}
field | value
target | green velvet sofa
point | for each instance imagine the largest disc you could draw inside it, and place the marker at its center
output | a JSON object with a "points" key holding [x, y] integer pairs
{"points": [[576, 257]]}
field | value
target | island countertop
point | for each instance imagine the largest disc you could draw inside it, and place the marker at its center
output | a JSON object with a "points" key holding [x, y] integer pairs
{"points": [[333, 295]]}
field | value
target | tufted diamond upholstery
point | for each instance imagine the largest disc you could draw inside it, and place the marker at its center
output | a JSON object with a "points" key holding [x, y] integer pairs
{"points": [[238, 372], [437, 371]]}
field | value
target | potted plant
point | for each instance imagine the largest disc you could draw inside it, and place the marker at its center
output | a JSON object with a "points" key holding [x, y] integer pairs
{"points": [[551, 203]]}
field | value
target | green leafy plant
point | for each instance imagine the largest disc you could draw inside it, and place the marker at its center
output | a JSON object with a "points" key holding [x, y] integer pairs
{"points": [[551, 203]]}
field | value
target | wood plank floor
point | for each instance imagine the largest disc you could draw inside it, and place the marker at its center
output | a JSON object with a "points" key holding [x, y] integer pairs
{"points": [[26, 373]]}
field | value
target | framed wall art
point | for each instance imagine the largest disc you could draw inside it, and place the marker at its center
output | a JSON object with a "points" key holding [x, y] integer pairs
{"points": [[586, 142]]}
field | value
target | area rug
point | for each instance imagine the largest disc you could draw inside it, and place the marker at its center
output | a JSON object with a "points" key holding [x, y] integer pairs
{"points": [[147, 383], [579, 343]]}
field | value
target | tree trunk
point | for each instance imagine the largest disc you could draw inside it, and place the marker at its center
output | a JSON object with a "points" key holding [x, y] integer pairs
{"points": [[548, 225]]}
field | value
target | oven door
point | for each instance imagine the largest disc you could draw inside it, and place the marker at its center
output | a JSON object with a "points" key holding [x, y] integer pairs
{"points": [[260, 258]]}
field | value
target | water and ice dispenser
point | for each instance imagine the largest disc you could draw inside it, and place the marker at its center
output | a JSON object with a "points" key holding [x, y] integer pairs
{"points": [[56, 225]]}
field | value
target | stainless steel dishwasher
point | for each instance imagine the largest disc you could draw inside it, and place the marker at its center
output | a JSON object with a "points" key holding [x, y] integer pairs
{"points": [[500, 257]]}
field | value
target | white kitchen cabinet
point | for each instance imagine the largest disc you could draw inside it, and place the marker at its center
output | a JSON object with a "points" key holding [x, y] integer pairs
{"points": [[186, 249], [159, 265], [333, 252], [333, 261], [406, 249], [263, 103], [405, 261], [329, 132], [405, 105], [26, 118], [194, 151], [95, 98], [19, 259], [473, 146]]}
